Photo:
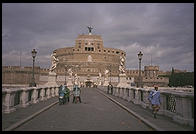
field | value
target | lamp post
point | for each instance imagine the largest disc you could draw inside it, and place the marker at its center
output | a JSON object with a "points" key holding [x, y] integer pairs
{"points": [[65, 74], [110, 72], [140, 58], [33, 84]]}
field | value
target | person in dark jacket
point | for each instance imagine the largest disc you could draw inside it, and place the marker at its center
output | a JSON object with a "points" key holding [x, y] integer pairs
{"points": [[110, 88], [76, 93]]}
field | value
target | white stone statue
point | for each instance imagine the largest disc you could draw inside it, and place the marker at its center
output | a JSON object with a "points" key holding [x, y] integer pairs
{"points": [[54, 61], [70, 72], [122, 65], [106, 73], [76, 79], [99, 75]]}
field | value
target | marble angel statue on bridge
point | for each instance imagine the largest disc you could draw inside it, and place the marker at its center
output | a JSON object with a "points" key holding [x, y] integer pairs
{"points": [[54, 61], [122, 65]]}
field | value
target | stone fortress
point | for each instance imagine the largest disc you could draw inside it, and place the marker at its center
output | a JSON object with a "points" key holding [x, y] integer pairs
{"points": [[88, 58], [90, 61]]}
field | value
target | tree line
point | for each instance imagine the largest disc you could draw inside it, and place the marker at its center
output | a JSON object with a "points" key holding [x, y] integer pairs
{"points": [[180, 79]]}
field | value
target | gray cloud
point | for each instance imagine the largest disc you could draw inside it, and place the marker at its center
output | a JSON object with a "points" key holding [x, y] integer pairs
{"points": [[165, 31]]}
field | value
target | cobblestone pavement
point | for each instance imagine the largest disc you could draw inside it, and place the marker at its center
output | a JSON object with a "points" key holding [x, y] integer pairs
{"points": [[163, 122], [95, 113]]}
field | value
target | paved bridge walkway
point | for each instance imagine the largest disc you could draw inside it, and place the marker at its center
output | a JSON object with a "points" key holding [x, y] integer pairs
{"points": [[95, 113]]}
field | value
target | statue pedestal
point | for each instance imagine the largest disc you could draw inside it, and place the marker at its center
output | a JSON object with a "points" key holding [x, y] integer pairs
{"points": [[123, 81], [106, 82], [70, 84], [51, 79]]}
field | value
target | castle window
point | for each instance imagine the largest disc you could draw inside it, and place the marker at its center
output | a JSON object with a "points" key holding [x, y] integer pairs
{"points": [[73, 49], [79, 46], [99, 50], [104, 50], [117, 52], [112, 51], [108, 51], [86, 48], [89, 48], [91, 43], [98, 47], [86, 43]]}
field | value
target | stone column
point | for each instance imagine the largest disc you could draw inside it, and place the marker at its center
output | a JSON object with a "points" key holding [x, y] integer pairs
{"points": [[24, 98], [34, 96], [129, 97], [56, 91], [8, 106], [48, 93], [136, 100], [42, 94], [52, 92], [125, 94], [163, 105]]}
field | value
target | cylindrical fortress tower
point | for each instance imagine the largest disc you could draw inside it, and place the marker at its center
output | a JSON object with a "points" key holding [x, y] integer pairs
{"points": [[89, 57]]}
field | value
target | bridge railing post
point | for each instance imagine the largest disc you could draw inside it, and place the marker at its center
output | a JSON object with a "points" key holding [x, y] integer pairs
{"points": [[184, 109], [56, 91], [144, 98], [42, 93], [124, 93], [136, 96], [48, 92], [129, 95], [114, 91], [178, 106], [8, 102], [121, 92], [35, 95], [24, 97], [52, 92]]}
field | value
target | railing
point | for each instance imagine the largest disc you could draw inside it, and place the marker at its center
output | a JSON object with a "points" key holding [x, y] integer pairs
{"points": [[13, 98], [177, 105]]}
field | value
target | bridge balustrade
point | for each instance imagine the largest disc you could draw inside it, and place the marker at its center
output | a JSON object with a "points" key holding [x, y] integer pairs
{"points": [[177, 105], [14, 98]]}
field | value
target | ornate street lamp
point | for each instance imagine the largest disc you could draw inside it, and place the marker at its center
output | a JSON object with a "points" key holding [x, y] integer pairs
{"points": [[110, 72], [33, 84], [140, 58]]}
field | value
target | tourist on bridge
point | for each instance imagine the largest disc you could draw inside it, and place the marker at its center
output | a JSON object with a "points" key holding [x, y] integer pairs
{"points": [[67, 93], [76, 94], [65, 90], [154, 98], [110, 88]]}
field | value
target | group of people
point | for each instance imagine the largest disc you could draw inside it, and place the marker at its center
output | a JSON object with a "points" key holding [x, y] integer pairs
{"points": [[65, 92]]}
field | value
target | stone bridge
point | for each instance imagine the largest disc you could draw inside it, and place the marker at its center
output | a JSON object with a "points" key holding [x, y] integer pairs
{"points": [[126, 109]]}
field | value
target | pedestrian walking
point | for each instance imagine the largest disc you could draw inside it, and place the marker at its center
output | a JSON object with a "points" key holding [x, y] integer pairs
{"points": [[154, 98], [67, 93], [76, 94], [110, 88]]}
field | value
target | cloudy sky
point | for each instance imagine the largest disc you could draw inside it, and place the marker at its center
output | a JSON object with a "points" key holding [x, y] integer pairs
{"points": [[162, 31]]}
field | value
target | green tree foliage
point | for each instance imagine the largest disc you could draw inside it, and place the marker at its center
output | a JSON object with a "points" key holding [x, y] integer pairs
{"points": [[180, 79]]}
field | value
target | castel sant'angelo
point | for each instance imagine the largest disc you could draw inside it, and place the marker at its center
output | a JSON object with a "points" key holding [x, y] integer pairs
{"points": [[89, 57], [90, 61]]}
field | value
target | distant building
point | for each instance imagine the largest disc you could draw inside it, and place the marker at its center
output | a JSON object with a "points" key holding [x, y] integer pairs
{"points": [[149, 76]]}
